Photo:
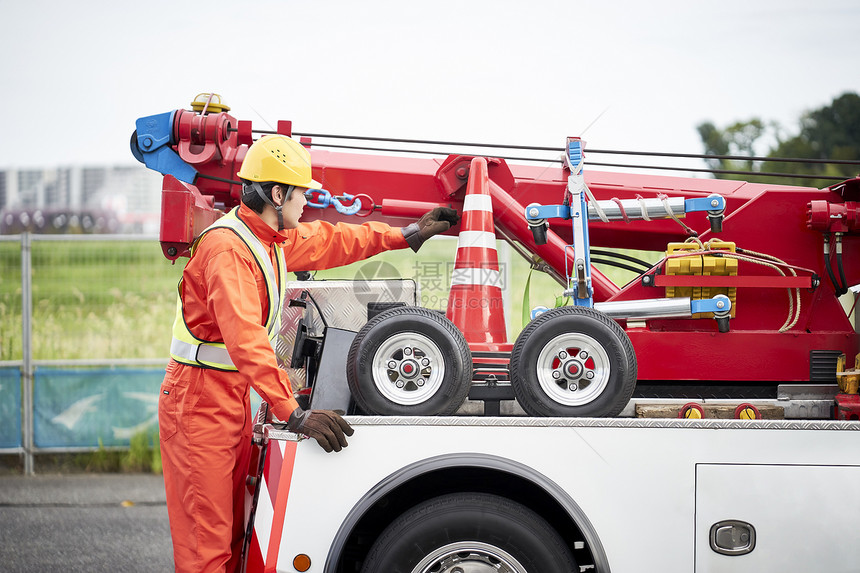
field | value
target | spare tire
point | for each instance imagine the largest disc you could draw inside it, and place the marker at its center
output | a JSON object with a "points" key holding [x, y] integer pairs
{"points": [[409, 361]]}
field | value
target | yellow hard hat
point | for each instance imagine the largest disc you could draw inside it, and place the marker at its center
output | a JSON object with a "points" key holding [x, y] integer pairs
{"points": [[279, 159]]}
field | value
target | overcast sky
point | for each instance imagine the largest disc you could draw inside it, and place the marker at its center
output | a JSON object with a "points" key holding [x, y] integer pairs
{"points": [[642, 74]]}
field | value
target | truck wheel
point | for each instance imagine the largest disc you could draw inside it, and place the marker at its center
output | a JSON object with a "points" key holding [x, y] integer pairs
{"points": [[409, 361], [469, 532], [573, 361]]}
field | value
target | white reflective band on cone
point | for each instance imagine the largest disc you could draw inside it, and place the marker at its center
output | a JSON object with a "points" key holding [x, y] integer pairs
{"points": [[477, 239], [478, 203], [476, 277]]}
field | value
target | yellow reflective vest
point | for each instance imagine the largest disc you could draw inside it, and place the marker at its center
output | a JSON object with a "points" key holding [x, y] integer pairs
{"points": [[187, 348]]}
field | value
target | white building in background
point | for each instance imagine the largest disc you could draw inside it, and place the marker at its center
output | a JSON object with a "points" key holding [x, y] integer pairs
{"points": [[119, 199]]}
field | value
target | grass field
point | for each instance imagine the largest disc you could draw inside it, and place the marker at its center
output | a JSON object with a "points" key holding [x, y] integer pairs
{"points": [[91, 300], [100, 300]]}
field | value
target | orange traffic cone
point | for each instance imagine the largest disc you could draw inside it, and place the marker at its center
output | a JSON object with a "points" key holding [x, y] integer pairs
{"points": [[475, 303]]}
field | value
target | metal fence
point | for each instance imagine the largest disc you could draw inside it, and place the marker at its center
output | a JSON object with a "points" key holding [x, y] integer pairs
{"points": [[84, 330]]}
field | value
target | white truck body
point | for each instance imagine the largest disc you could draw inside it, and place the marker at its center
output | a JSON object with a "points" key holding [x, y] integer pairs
{"points": [[643, 493]]}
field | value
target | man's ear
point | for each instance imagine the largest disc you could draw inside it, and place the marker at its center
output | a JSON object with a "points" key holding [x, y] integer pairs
{"points": [[277, 195]]}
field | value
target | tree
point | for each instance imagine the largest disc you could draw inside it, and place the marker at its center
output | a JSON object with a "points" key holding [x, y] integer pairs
{"points": [[829, 133]]}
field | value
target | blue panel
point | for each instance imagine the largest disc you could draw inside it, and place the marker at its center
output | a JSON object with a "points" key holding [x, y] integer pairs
{"points": [[10, 407], [80, 407]]}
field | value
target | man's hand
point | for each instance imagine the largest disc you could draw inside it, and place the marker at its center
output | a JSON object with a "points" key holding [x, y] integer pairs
{"points": [[431, 223], [325, 426]]}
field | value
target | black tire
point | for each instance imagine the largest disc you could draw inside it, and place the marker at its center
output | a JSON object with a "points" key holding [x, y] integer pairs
{"points": [[469, 529], [573, 361], [418, 349]]}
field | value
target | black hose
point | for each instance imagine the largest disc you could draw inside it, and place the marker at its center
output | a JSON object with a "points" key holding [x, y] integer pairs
{"points": [[221, 179], [617, 264], [844, 288], [836, 287], [604, 253]]}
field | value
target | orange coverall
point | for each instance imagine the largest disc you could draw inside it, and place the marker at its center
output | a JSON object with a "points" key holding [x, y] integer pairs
{"points": [[205, 419]]}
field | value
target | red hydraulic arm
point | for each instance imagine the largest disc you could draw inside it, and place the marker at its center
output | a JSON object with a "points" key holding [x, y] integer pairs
{"points": [[814, 231]]}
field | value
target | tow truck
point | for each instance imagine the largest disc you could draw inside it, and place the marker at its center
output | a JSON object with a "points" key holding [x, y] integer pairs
{"points": [[743, 309]]}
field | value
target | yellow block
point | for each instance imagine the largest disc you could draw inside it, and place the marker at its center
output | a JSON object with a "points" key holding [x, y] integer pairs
{"points": [[694, 263], [848, 380]]}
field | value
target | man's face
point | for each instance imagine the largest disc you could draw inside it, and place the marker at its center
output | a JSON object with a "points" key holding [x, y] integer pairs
{"points": [[293, 208]]}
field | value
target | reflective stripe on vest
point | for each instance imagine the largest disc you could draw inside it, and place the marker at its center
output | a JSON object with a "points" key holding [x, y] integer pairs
{"points": [[187, 348]]}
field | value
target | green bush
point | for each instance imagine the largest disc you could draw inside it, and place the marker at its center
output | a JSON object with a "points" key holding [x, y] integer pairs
{"points": [[143, 454]]}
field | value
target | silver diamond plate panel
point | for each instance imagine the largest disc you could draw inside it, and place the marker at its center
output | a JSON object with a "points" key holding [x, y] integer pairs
{"points": [[705, 424], [520, 422], [343, 305]]}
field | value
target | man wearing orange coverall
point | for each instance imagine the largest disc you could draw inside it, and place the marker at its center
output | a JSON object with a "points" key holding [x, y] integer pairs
{"points": [[222, 344]]}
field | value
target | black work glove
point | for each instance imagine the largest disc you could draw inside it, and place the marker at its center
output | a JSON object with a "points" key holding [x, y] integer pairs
{"points": [[325, 426], [431, 223]]}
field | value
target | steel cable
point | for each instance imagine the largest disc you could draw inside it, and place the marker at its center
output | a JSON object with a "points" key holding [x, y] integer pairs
{"points": [[595, 151]]}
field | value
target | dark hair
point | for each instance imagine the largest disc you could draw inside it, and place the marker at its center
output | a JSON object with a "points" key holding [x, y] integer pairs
{"points": [[252, 199]]}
